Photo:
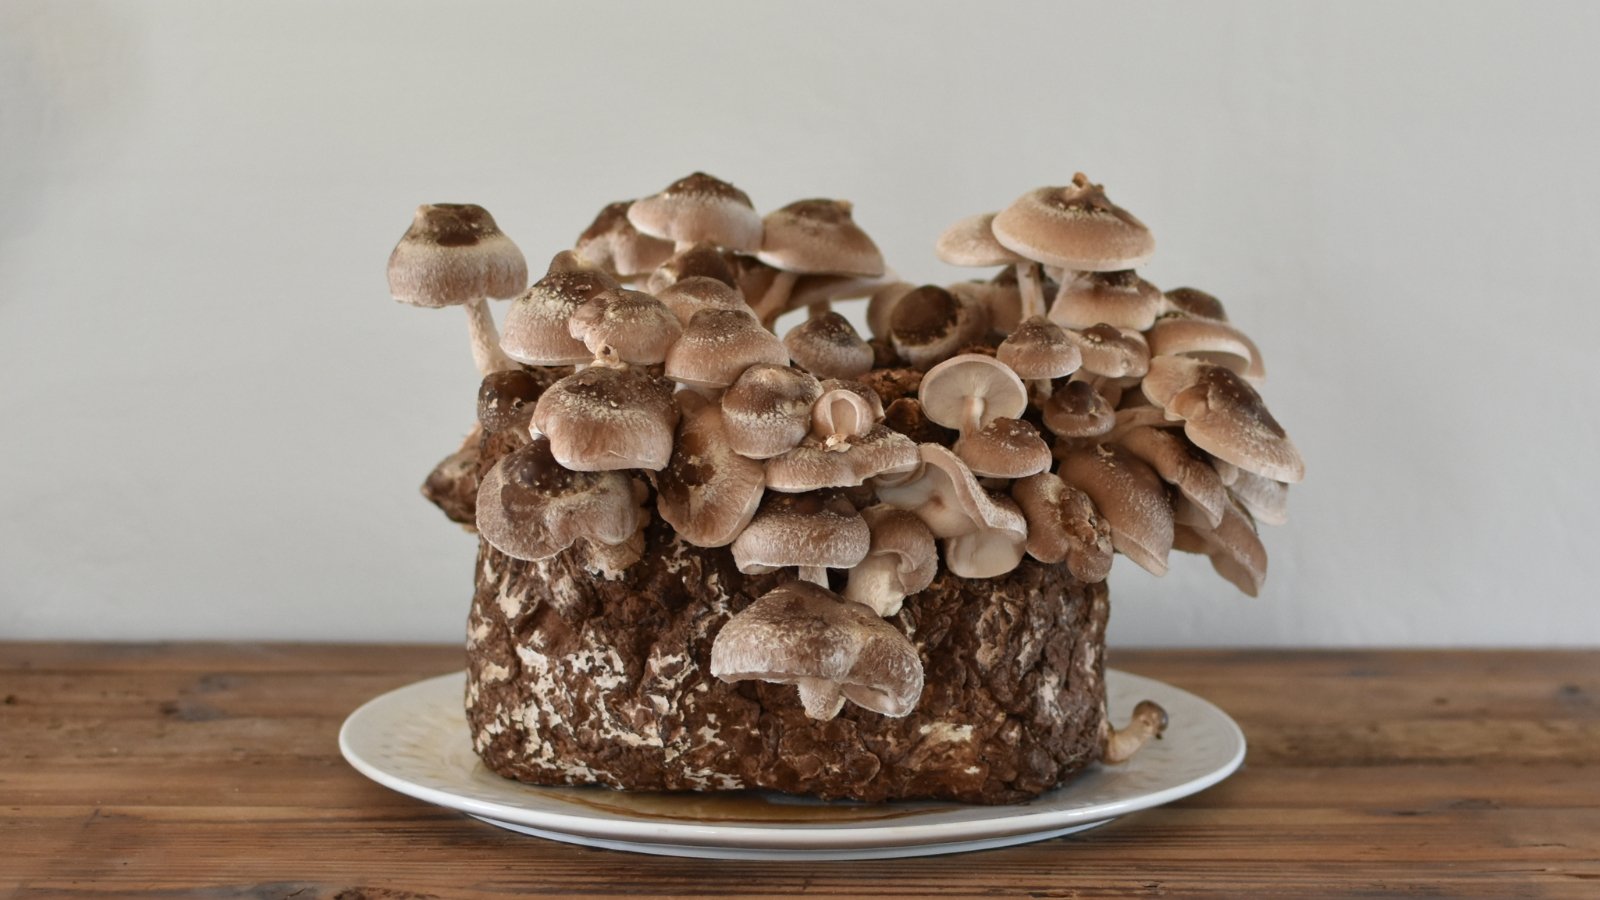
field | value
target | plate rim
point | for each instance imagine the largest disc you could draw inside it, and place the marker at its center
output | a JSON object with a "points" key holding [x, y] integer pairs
{"points": [[788, 835]]}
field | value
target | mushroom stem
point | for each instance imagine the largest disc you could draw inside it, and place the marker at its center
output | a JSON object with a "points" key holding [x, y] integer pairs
{"points": [[680, 246], [819, 308], [1032, 287], [821, 698], [771, 304], [1149, 721], [486, 350], [817, 575], [971, 414]]}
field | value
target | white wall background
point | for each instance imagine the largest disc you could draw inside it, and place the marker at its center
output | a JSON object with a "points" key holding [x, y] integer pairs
{"points": [[213, 419]]}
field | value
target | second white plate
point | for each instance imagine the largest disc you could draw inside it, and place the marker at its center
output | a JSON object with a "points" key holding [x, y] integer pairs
{"points": [[415, 741]]}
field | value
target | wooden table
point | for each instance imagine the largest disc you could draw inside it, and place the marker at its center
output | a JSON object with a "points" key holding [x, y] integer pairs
{"points": [[211, 770]]}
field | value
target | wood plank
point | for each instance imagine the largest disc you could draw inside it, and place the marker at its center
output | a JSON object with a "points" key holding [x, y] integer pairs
{"points": [[207, 770]]}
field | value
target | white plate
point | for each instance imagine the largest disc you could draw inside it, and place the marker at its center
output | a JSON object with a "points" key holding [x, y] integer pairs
{"points": [[415, 741]]}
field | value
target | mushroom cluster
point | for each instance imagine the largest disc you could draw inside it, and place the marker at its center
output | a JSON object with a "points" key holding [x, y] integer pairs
{"points": [[976, 425]]}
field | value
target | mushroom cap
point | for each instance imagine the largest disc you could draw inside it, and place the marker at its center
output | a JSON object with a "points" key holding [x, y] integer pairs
{"points": [[901, 561], [1039, 349], [1076, 227], [698, 208], [970, 391], [1005, 448], [1234, 547], [800, 633], [881, 305], [612, 244], [1119, 298], [506, 399], [1194, 302], [1209, 340], [454, 253], [608, 418], [1131, 496], [1224, 416], [535, 330], [847, 463], [695, 261], [687, 296], [1063, 525], [845, 409], [829, 347], [767, 410], [949, 500], [802, 530], [971, 242], [637, 327], [930, 323], [530, 507], [819, 236], [1111, 352], [1181, 465], [707, 492], [1077, 410], [718, 345]]}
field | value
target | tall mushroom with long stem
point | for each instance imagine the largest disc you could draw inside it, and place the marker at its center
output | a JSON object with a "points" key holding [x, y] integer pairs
{"points": [[813, 237], [455, 255]]}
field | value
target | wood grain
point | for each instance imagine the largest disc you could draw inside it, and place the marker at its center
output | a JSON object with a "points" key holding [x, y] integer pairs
{"points": [[212, 770]]}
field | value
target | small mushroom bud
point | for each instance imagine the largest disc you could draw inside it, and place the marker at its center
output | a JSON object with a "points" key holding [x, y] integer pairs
{"points": [[1122, 299], [1119, 745], [506, 399], [694, 261], [930, 324], [636, 327], [829, 347], [767, 411]]}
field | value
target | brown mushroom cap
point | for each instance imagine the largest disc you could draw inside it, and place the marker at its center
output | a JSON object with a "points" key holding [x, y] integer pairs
{"points": [[819, 236], [506, 399], [767, 410], [971, 390], [608, 418], [687, 296], [1076, 410], [1039, 349], [536, 330], [718, 345], [828, 346], [530, 507], [929, 324], [1208, 340], [1224, 416], [1194, 302], [700, 208], [1112, 352], [454, 253], [636, 327], [1064, 525], [1131, 496], [1005, 448], [809, 530], [1119, 298], [694, 261], [846, 409], [842, 464], [1181, 465], [901, 561], [707, 492], [832, 648], [1076, 227], [612, 244], [881, 305], [1234, 547], [971, 242]]}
